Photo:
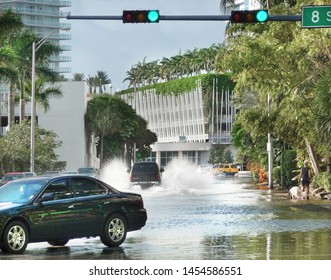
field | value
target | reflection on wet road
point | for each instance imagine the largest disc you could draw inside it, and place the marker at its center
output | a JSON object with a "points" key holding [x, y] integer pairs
{"points": [[193, 216]]}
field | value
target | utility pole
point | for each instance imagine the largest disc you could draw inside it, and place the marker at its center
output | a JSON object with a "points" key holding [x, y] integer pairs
{"points": [[270, 151]]}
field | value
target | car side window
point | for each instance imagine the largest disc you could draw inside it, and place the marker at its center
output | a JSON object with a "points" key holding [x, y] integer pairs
{"points": [[60, 189], [87, 187]]}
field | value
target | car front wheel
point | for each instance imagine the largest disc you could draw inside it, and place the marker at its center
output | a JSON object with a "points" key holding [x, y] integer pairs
{"points": [[15, 238], [114, 232]]}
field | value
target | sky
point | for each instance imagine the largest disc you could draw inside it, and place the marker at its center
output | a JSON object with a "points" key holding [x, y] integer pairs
{"points": [[114, 47]]}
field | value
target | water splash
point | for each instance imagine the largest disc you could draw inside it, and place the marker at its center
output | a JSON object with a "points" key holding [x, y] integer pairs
{"points": [[179, 177], [115, 173], [182, 176]]}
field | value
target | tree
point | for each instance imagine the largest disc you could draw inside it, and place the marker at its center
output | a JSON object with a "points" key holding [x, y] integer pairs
{"points": [[9, 22], [78, 77], [15, 149], [140, 138], [281, 59], [116, 124], [22, 45], [17, 53], [220, 154], [43, 92], [102, 80], [182, 65]]}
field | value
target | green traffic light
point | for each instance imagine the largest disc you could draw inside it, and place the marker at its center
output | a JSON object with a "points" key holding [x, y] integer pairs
{"points": [[262, 16], [153, 16]]}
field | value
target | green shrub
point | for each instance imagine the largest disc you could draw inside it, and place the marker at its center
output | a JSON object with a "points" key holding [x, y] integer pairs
{"points": [[323, 180], [284, 173], [277, 174]]}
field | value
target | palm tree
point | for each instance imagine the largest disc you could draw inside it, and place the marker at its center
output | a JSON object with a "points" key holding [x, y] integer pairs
{"points": [[102, 80], [78, 77], [178, 66], [9, 23], [93, 83], [44, 92], [102, 118], [8, 75], [89, 81], [24, 50], [164, 69], [16, 67], [131, 77]]}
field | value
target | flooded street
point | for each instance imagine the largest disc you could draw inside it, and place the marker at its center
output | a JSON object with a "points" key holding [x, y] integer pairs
{"points": [[231, 219], [194, 216]]}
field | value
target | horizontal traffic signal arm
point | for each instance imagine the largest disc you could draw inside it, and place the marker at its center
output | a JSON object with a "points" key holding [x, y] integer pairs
{"points": [[188, 17]]}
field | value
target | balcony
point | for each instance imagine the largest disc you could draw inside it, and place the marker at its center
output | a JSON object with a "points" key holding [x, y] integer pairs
{"points": [[53, 3], [60, 59]]}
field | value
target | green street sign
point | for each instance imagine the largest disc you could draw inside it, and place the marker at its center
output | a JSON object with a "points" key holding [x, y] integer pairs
{"points": [[316, 16]]}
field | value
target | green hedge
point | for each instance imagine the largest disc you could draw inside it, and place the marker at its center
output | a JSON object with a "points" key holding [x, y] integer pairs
{"points": [[188, 84]]}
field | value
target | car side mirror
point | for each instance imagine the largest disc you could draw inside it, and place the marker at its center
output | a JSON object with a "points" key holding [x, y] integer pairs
{"points": [[47, 197], [161, 169]]}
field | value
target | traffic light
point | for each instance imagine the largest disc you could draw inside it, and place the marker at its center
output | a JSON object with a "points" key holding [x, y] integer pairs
{"points": [[252, 16], [141, 16]]}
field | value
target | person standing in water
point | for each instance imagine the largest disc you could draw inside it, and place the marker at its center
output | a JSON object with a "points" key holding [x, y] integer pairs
{"points": [[305, 177]]}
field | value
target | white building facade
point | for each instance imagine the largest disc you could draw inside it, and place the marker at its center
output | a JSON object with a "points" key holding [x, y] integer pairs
{"points": [[66, 117], [187, 125]]}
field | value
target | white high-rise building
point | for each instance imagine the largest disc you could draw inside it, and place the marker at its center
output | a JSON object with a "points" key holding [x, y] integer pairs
{"points": [[44, 16], [247, 4]]}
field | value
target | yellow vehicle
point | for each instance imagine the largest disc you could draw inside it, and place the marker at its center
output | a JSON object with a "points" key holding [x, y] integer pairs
{"points": [[225, 169]]}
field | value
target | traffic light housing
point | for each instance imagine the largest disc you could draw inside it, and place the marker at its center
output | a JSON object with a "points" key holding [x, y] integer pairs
{"points": [[253, 16], [141, 16]]}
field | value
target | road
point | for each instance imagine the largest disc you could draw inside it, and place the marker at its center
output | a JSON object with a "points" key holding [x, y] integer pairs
{"points": [[193, 216]]}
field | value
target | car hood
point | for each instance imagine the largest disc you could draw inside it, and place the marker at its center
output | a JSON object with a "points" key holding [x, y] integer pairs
{"points": [[8, 205]]}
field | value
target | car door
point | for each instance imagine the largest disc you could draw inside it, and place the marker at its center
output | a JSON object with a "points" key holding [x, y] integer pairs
{"points": [[90, 202], [54, 218]]}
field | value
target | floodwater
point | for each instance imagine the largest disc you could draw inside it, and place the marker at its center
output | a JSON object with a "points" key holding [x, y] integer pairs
{"points": [[194, 216]]}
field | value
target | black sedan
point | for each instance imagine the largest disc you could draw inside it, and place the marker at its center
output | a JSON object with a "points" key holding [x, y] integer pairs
{"points": [[57, 209]]}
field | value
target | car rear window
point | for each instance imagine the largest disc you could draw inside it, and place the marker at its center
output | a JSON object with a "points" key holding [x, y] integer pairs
{"points": [[13, 177], [141, 167], [86, 170]]}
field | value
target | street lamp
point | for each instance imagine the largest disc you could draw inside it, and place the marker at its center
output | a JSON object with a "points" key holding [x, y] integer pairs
{"points": [[35, 48]]}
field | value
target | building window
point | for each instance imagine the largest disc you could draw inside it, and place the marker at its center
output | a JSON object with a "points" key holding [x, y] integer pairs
{"points": [[166, 157], [189, 155]]}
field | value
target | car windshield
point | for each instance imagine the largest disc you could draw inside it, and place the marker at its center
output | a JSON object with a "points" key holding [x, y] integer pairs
{"points": [[20, 191]]}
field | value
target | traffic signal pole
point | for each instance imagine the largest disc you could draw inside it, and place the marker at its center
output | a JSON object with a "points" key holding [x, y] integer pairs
{"points": [[188, 17]]}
